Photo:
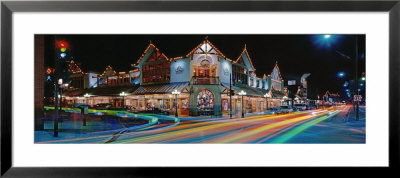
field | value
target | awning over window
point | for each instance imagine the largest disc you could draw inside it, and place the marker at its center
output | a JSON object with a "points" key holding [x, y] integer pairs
{"points": [[277, 95], [73, 92], [250, 91], [161, 89], [101, 91]]}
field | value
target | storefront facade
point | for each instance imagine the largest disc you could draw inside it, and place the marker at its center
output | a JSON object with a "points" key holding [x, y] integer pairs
{"points": [[203, 77]]}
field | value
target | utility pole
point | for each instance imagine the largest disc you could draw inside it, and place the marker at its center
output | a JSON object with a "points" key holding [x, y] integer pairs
{"points": [[356, 79], [230, 95], [61, 97], [56, 110], [60, 51], [55, 134]]}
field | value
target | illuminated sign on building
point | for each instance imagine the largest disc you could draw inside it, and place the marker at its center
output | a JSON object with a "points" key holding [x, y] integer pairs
{"points": [[226, 71], [179, 69]]}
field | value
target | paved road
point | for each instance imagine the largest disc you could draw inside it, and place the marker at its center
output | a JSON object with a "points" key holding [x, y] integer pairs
{"points": [[316, 126]]}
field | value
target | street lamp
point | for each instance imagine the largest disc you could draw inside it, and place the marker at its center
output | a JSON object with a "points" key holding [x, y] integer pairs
{"points": [[267, 95], [62, 86], [356, 103], [83, 109], [176, 93], [242, 93], [87, 98], [123, 94], [284, 98], [341, 74]]}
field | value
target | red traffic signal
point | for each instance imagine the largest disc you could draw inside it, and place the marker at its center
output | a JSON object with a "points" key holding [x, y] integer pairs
{"points": [[62, 44]]}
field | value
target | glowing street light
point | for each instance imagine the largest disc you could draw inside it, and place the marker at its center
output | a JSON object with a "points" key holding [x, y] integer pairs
{"points": [[327, 40], [242, 93], [123, 94], [176, 93], [341, 74], [267, 95], [87, 96]]}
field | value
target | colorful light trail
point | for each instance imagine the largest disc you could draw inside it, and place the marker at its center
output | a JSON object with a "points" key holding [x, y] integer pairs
{"points": [[256, 129]]}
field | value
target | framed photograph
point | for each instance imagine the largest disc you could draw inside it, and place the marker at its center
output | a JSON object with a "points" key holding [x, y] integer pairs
{"points": [[136, 88]]}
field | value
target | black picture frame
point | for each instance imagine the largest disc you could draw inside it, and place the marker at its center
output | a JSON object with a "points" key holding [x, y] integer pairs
{"points": [[8, 7]]}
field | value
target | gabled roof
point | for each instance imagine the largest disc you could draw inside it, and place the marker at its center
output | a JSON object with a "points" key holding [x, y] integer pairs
{"points": [[108, 71], [329, 94], [150, 46], [246, 54], [279, 71], [74, 68], [206, 47]]}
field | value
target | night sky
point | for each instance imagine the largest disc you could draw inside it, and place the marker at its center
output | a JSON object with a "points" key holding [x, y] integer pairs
{"points": [[296, 54]]}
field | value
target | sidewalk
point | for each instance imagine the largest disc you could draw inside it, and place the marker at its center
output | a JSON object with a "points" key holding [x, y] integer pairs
{"points": [[70, 126], [349, 116]]}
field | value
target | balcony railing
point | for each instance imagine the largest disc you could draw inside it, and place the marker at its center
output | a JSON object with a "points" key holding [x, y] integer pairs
{"points": [[199, 80]]}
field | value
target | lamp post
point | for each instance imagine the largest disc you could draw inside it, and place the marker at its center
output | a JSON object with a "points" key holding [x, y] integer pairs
{"points": [[230, 96], [56, 98], [176, 93], [123, 94], [356, 91], [60, 83], [242, 93], [87, 98], [284, 98], [83, 109], [267, 95], [65, 85]]}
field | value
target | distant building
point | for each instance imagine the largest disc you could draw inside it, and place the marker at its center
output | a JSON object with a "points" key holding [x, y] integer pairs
{"points": [[80, 79], [297, 87], [331, 97]]}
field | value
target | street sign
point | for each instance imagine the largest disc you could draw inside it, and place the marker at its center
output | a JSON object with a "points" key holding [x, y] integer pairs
{"points": [[357, 97]]}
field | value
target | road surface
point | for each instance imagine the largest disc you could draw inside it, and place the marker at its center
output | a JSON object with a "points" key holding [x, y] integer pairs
{"points": [[331, 125]]}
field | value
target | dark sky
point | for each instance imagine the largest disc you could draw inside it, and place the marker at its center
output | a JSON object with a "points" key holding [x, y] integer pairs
{"points": [[296, 54]]}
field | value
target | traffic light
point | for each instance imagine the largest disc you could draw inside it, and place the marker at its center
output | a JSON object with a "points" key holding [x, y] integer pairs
{"points": [[363, 76], [62, 50], [63, 58]]}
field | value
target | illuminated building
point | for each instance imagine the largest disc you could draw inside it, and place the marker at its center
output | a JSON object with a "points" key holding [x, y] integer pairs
{"points": [[202, 77], [297, 88]]}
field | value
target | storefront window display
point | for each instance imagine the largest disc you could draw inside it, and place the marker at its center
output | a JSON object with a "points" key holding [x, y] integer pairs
{"points": [[205, 100]]}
